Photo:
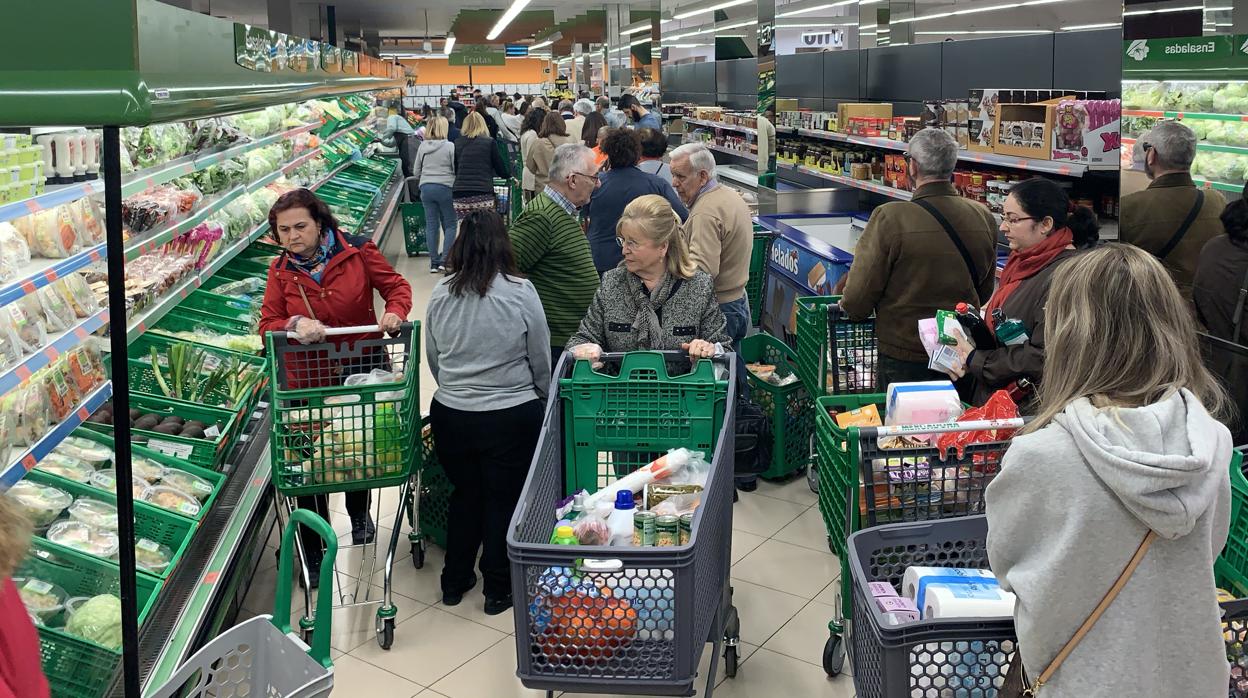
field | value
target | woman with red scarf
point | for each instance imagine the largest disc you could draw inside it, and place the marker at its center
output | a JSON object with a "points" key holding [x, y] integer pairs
{"points": [[1044, 229]]}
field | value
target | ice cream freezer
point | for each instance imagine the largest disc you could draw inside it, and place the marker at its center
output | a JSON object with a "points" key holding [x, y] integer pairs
{"points": [[787, 197]]}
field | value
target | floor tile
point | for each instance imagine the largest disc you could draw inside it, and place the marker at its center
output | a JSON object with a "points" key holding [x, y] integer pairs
{"points": [[768, 673], [808, 531], [355, 625], [473, 608], [795, 490], [831, 594], [423, 584], [743, 544], [763, 516], [430, 645], [763, 611], [744, 651], [804, 636], [361, 678], [788, 568], [491, 673]]}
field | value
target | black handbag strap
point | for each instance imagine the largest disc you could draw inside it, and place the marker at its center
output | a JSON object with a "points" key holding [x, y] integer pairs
{"points": [[1238, 317], [1187, 224], [957, 241]]}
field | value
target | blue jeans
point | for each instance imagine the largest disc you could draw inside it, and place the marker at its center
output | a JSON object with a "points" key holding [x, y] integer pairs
{"points": [[439, 215], [737, 313]]}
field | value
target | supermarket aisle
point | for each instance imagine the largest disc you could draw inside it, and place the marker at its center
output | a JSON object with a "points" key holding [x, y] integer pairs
{"points": [[783, 578]]}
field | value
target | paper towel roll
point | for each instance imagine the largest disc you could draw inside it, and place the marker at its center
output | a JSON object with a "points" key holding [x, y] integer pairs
{"points": [[959, 601], [910, 581]]}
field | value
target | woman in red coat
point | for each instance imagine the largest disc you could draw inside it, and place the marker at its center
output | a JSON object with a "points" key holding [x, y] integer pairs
{"points": [[326, 278], [21, 675]]}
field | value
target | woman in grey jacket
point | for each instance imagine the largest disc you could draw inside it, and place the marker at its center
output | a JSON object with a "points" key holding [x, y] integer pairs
{"points": [[1123, 444], [434, 169], [488, 349], [656, 298]]}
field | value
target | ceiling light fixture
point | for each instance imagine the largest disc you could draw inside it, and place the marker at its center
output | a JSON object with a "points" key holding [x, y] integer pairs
{"points": [[541, 44], [704, 7], [1188, 8], [637, 27], [450, 44], [959, 32], [977, 10], [1103, 25], [510, 14], [816, 8], [816, 25]]}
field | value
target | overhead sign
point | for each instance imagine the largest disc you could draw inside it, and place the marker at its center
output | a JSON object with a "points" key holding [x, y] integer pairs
{"points": [[832, 38], [516, 50], [477, 54], [1162, 57]]}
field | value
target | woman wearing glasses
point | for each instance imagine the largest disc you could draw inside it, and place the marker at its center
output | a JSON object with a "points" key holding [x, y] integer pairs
{"points": [[1044, 229], [622, 184], [656, 299]]}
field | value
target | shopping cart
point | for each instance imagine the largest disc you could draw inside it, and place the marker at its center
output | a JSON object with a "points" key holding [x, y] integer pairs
{"points": [[413, 213], [970, 656], [897, 484], [755, 282], [429, 499], [345, 418], [598, 619], [261, 656]]}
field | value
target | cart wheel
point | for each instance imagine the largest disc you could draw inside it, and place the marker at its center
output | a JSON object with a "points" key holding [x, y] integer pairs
{"points": [[730, 661], [418, 554], [732, 625], [831, 546], [385, 632], [306, 635], [833, 655], [812, 473]]}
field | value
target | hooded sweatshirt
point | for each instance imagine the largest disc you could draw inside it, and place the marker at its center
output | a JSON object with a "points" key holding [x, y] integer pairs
{"points": [[435, 163], [1071, 505]]}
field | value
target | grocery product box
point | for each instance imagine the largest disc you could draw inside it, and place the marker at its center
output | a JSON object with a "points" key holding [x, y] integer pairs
{"points": [[844, 112], [1026, 130], [1087, 131], [786, 105], [982, 118]]}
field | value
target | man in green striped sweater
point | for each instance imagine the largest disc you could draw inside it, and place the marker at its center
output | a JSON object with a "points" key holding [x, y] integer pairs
{"points": [[551, 249]]}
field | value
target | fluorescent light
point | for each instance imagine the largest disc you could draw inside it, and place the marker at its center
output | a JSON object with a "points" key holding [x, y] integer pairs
{"points": [[684, 45], [816, 25], [957, 32], [510, 14], [1103, 25], [637, 27], [1188, 8], [450, 44], [703, 8], [541, 44], [866, 33], [977, 10], [816, 8], [1218, 9]]}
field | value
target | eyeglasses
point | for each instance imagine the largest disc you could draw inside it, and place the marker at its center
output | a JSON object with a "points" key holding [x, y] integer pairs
{"points": [[627, 244], [1146, 146], [906, 156], [1016, 221], [594, 177]]}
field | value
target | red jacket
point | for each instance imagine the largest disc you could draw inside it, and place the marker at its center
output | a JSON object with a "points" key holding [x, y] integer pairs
{"points": [[343, 298], [21, 675]]}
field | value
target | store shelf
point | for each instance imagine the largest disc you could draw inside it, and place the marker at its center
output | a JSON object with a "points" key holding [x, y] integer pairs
{"points": [[56, 346], [720, 124], [40, 272], [378, 222], [1184, 115], [1220, 186], [1206, 147], [730, 151], [1030, 164], [873, 187], [54, 196], [17, 468]]}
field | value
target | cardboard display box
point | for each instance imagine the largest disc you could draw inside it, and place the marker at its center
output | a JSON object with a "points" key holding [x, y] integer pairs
{"points": [[982, 124], [1034, 141], [1087, 132], [846, 111]]}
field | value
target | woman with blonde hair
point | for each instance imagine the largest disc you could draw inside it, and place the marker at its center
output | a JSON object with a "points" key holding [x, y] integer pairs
{"points": [[21, 675], [477, 163], [656, 298], [1124, 460], [434, 170]]}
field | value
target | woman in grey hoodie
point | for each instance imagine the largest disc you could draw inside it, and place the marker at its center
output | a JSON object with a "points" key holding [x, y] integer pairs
{"points": [[434, 169], [1124, 443]]}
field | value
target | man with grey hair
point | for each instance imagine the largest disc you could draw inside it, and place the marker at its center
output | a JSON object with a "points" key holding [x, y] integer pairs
{"points": [[616, 118], [603, 105], [551, 248], [919, 256], [452, 131], [572, 120], [1171, 219]]}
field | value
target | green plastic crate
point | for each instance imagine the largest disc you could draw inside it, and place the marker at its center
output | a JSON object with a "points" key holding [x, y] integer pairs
{"points": [[79, 668], [855, 346], [207, 453], [758, 274], [435, 491], [789, 406], [414, 228], [143, 378], [230, 307], [1230, 571], [187, 319], [616, 424]]}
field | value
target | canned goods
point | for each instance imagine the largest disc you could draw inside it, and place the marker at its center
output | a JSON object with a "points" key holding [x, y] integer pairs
{"points": [[686, 528], [643, 528], [667, 531]]}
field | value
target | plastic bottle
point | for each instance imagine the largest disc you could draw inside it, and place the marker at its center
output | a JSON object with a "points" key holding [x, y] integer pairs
{"points": [[564, 536], [620, 522], [970, 320], [578, 506]]}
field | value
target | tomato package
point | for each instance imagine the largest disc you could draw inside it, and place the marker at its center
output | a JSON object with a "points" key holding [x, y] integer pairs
{"points": [[998, 406]]}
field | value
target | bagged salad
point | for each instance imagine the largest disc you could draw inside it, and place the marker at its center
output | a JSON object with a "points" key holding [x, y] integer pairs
{"points": [[57, 309], [87, 221], [14, 252], [25, 410]]}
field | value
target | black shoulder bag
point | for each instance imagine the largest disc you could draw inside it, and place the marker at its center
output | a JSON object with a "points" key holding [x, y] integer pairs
{"points": [[1184, 227]]}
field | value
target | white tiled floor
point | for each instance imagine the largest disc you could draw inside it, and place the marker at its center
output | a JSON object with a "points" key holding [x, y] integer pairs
{"points": [[785, 583]]}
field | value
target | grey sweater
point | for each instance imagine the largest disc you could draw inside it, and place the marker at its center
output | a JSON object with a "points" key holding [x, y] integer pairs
{"points": [[691, 313], [435, 163], [488, 353], [1070, 506]]}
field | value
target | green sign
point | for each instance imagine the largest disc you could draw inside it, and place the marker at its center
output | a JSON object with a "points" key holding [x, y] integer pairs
{"points": [[477, 54], [1191, 52], [253, 47]]}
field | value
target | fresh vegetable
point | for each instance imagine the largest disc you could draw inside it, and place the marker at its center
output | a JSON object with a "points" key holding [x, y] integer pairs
{"points": [[185, 364], [98, 620], [41, 503]]}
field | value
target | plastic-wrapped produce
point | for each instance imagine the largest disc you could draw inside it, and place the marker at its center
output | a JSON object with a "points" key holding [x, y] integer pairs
{"points": [[24, 332], [98, 620], [49, 234], [67, 467], [57, 309], [25, 409], [87, 221], [78, 291], [14, 252], [41, 503]]}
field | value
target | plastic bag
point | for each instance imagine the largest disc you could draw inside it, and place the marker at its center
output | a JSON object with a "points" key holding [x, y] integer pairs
{"points": [[25, 334], [377, 377], [50, 233], [25, 409], [85, 368], [998, 406], [79, 294], [591, 529], [57, 309], [14, 252], [87, 221], [62, 394]]}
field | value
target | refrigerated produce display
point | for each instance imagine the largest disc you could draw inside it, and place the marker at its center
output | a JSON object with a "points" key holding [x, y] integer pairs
{"points": [[198, 161]]}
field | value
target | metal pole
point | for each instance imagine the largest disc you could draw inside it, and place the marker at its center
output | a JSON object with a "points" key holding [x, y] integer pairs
{"points": [[121, 407], [331, 19]]}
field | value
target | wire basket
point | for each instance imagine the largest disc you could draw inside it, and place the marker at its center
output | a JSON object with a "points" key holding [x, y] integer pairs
{"points": [[835, 355], [788, 406]]}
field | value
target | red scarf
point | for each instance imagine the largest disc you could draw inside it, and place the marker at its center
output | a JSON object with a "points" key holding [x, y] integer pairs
{"points": [[1024, 264]]}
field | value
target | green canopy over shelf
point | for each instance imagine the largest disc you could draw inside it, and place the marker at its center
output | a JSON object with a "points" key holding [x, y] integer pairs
{"points": [[137, 62]]}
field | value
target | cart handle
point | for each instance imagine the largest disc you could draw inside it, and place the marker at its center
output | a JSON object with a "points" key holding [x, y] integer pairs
{"points": [[355, 329], [975, 425], [600, 566], [324, 602], [668, 353]]}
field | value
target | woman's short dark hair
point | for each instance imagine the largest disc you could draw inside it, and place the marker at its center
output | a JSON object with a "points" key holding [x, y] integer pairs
{"points": [[653, 142], [552, 125], [622, 149], [1235, 220], [303, 198], [533, 119], [481, 251], [1040, 198], [589, 130], [480, 105]]}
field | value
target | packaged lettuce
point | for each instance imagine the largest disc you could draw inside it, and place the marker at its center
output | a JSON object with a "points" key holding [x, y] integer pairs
{"points": [[98, 620]]}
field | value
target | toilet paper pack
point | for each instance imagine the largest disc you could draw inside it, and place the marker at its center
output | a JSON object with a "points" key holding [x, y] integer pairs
{"points": [[952, 592]]}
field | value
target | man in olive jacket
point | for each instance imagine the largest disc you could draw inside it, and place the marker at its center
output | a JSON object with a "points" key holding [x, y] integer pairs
{"points": [[907, 264], [1154, 219]]}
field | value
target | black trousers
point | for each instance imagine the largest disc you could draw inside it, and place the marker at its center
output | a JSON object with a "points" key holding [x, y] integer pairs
{"points": [[357, 505], [486, 456]]}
